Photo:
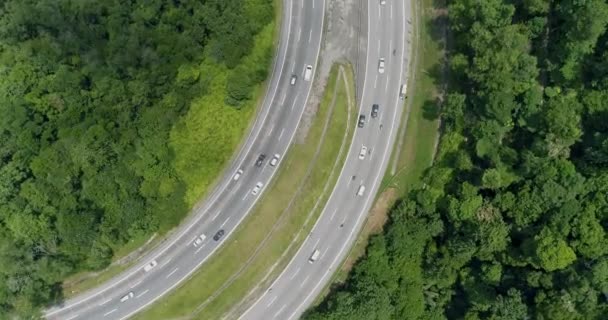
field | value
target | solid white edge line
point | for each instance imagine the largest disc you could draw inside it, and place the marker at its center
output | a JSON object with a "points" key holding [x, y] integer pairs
{"points": [[359, 220]]}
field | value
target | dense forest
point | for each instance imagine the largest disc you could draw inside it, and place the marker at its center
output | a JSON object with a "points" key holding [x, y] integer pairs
{"points": [[109, 109], [510, 222]]}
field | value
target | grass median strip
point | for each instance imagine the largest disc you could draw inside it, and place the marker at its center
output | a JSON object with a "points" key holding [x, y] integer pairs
{"points": [[267, 238]]}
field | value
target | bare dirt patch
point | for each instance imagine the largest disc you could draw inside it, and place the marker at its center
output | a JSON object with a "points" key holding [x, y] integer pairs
{"points": [[344, 41], [376, 220]]}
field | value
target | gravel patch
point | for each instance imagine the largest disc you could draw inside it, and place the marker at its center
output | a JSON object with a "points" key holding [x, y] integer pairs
{"points": [[344, 40]]}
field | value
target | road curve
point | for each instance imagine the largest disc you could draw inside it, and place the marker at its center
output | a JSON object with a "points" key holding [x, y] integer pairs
{"points": [[336, 229], [272, 133]]}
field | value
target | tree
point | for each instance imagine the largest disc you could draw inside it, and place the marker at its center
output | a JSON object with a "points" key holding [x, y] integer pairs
{"points": [[91, 93], [552, 253]]}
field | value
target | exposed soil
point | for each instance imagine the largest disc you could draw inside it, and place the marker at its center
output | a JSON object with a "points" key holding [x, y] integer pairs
{"points": [[376, 220], [342, 42]]}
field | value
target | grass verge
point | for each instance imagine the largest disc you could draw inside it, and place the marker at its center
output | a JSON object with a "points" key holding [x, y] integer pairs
{"points": [[264, 242], [83, 281], [420, 126]]}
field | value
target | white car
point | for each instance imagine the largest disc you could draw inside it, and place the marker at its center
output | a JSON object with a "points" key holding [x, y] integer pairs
{"points": [[257, 188], [308, 73], [314, 256], [403, 91], [381, 65], [275, 159], [382, 2], [293, 80], [361, 190], [126, 296], [150, 266], [199, 240], [363, 152], [237, 175]]}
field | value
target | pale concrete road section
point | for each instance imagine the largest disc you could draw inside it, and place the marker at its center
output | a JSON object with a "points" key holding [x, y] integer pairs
{"points": [[198, 238], [335, 231]]}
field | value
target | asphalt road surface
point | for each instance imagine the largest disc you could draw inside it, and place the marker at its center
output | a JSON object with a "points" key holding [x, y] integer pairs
{"points": [[335, 231], [232, 200]]}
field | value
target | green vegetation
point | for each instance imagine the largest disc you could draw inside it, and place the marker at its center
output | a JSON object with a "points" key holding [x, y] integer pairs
{"points": [[510, 222], [421, 128], [263, 241], [82, 281], [116, 117], [421, 131]]}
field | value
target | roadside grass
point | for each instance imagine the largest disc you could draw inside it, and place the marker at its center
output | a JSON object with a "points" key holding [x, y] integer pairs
{"points": [[267, 38], [421, 131], [83, 281], [422, 127], [264, 242]]}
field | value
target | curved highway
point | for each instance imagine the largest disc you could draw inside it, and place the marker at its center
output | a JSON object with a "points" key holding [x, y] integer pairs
{"points": [[179, 256], [336, 229]]}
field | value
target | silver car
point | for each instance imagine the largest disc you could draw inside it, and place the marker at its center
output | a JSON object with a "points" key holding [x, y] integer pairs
{"points": [[150, 266], [275, 159], [237, 175], [257, 188], [199, 240], [363, 152], [126, 297]]}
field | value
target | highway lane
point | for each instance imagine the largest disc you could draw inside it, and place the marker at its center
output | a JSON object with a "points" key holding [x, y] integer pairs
{"points": [[228, 205], [343, 216]]}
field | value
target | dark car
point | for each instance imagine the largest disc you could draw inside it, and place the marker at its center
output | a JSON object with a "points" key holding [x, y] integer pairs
{"points": [[218, 235], [260, 160], [361, 121], [375, 109]]}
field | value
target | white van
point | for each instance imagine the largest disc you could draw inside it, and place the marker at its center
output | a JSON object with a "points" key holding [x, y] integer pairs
{"points": [[403, 91], [307, 73], [361, 190], [314, 256]]}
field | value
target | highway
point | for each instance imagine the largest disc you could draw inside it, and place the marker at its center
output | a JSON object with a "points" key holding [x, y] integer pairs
{"points": [[343, 216], [272, 133]]}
